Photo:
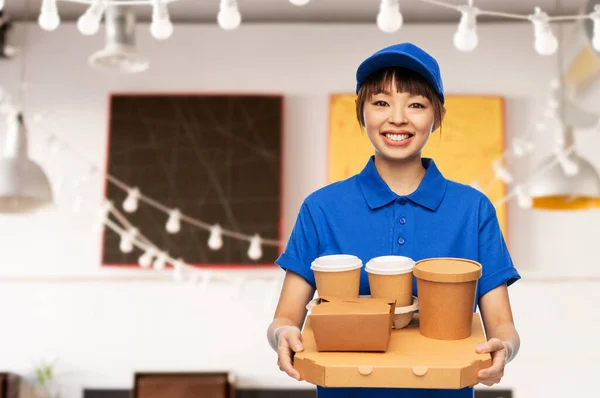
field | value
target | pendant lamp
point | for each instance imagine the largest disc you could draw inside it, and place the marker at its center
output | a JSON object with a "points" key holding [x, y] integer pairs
{"points": [[24, 187], [572, 183]]}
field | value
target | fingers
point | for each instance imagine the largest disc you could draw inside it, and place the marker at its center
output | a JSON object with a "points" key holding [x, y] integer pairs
{"points": [[295, 342], [490, 382], [494, 373], [491, 345], [285, 362], [290, 342]]}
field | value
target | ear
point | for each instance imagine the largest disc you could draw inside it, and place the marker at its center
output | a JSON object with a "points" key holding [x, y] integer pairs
{"points": [[438, 123]]}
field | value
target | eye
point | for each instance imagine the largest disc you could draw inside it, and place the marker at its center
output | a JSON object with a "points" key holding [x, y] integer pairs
{"points": [[380, 103], [417, 105]]}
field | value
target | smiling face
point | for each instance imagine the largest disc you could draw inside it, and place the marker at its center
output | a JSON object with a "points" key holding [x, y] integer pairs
{"points": [[399, 110]]}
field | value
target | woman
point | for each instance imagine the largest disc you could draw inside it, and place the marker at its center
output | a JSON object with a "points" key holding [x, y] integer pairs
{"points": [[399, 204]]}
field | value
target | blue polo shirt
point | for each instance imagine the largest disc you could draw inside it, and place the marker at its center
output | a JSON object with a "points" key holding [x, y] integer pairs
{"points": [[363, 217]]}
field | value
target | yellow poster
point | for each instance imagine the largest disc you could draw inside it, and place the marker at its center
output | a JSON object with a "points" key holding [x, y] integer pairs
{"points": [[472, 137]]}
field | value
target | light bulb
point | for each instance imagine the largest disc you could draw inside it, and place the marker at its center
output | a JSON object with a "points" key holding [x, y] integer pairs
{"points": [[229, 16], [161, 29], [523, 199], [48, 18], [178, 269], [104, 213], [545, 41], [130, 204], [389, 18], [569, 167], [126, 245], [501, 173], [215, 241], [89, 23], [49, 21], [299, 2], [596, 34], [255, 249], [465, 38], [146, 259], [173, 224], [160, 261], [546, 44]]}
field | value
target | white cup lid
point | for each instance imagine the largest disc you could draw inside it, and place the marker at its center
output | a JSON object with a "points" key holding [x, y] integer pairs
{"points": [[390, 265], [336, 263]]}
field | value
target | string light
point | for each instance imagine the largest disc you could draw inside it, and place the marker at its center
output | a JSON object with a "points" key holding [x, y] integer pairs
{"points": [[126, 245], [389, 18], [521, 147], [255, 249], [568, 165], [501, 173], [146, 259], [229, 16], [173, 224], [523, 199], [215, 240], [595, 17], [161, 27], [130, 204], [89, 22], [545, 41], [160, 261], [49, 18], [299, 3], [465, 38]]}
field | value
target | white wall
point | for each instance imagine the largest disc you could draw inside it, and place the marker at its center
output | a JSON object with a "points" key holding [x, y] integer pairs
{"points": [[102, 332]]}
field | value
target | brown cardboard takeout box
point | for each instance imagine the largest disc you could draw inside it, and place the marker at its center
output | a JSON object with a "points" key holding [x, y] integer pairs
{"points": [[361, 324], [411, 361]]}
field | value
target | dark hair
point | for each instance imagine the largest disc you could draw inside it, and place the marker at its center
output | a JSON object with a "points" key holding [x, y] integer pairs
{"points": [[406, 81]]}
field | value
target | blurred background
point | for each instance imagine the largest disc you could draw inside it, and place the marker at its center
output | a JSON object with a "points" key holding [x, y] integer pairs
{"points": [[155, 155]]}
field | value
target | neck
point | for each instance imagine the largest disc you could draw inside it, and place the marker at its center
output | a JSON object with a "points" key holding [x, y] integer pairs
{"points": [[402, 176]]}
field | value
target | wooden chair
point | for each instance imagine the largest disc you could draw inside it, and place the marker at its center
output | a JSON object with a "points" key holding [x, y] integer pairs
{"points": [[183, 385], [9, 384]]}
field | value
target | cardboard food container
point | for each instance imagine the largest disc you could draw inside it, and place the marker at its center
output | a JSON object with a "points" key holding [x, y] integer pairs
{"points": [[361, 324], [411, 361]]}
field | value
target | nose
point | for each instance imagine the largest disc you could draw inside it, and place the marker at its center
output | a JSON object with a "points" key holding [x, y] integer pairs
{"points": [[398, 116]]}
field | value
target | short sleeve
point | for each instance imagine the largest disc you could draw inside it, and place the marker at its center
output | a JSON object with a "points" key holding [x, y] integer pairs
{"points": [[302, 247], [495, 260]]}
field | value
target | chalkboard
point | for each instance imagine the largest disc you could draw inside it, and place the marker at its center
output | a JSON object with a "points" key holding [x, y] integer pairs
{"points": [[216, 158]]}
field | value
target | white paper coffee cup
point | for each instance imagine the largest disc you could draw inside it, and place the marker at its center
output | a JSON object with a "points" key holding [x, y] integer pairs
{"points": [[391, 278], [337, 275]]}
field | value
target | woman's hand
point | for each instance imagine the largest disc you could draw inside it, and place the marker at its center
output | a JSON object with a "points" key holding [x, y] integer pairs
{"points": [[499, 351], [289, 341]]}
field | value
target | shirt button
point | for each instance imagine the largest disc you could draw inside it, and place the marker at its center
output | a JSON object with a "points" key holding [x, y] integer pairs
{"points": [[402, 220], [401, 241], [402, 202]]}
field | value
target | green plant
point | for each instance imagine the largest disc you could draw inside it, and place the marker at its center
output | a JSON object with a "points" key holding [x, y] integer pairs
{"points": [[44, 375]]}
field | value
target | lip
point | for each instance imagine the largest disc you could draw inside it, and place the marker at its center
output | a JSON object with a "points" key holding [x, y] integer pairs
{"points": [[397, 143]]}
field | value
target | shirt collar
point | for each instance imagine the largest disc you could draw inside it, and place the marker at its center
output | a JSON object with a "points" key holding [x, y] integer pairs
{"points": [[429, 194]]}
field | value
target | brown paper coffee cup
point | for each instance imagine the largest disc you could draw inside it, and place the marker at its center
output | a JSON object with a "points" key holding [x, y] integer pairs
{"points": [[447, 289], [391, 277], [337, 275]]}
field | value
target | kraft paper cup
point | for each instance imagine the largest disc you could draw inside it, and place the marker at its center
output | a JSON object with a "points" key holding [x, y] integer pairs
{"points": [[447, 291], [391, 277], [337, 275]]}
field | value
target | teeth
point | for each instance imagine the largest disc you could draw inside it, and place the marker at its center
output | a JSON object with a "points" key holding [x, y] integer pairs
{"points": [[397, 137]]}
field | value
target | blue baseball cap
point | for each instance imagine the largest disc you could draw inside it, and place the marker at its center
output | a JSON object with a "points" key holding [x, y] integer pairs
{"points": [[403, 55]]}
